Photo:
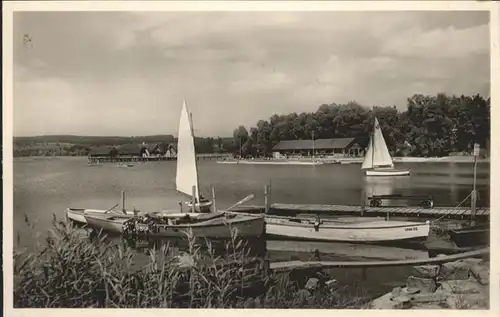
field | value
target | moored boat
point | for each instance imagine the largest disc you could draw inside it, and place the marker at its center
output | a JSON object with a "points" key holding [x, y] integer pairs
{"points": [[77, 215], [378, 160], [111, 224], [217, 225], [354, 231], [471, 235]]}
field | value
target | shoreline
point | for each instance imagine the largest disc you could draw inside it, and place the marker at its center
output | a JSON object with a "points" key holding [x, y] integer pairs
{"points": [[307, 161], [355, 160]]}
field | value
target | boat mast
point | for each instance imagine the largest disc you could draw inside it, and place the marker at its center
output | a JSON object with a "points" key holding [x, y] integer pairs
{"points": [[195, 158], [373, 143]]}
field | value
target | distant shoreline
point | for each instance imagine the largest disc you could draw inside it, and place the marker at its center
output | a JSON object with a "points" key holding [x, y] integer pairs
{"points": [[319, 161], [356, 160]]}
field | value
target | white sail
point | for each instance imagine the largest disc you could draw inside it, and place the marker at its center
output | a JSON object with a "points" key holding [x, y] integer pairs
{"points": [[377, 154], [187, 169], [368, 162]]}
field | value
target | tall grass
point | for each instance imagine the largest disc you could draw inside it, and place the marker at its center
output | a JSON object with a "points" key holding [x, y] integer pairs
{"points": [[67, 270]]}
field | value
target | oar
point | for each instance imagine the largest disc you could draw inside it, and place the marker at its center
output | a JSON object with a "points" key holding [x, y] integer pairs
{"points": [[244, 200], [110, 209]]}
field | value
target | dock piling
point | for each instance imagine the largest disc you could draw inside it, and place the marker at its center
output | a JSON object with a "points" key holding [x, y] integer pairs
{"points": [[213, 199], [474, 193], [363, 202], [123, 202], [266, 200], [194, 199]]}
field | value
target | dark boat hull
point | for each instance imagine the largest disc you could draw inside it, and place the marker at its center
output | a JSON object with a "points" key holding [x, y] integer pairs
{"points": [[471, 236]]}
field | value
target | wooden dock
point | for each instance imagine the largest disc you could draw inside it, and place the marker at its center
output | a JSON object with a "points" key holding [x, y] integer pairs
{"points": [[287, 266], [403, 211], [129, 158]]}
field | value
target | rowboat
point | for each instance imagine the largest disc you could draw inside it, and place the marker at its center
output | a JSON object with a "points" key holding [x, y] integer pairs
{"points": [[77, 215], [216, 225], [354, 230], [378, 160]]}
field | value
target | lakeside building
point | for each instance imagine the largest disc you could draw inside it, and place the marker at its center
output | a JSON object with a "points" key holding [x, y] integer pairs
{"points": [[133, 150], [339, 147]]}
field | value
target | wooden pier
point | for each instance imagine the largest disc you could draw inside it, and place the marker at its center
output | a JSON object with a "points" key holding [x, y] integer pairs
{"points": [[287, 266], [403, 211], [130, 159]]}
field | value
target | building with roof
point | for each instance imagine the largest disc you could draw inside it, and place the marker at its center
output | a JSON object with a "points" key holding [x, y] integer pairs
{"points": [[322, 147]]}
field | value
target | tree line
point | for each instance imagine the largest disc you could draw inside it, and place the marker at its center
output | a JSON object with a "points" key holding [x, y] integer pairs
{"points": [[70, 145], [430, 126]]}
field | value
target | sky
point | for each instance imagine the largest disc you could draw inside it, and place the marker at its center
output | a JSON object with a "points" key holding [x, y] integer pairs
{"points": [[127, 73]]}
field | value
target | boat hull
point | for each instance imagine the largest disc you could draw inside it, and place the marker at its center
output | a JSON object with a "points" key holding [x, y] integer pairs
{"points": [[387, 172], [377, 231], [469, 237], [77, 215], [202, 207], [220, 228], [110, 225]]}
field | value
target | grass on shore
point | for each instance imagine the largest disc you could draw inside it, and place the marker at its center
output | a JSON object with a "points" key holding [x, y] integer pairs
{"points": [[69, 271]]}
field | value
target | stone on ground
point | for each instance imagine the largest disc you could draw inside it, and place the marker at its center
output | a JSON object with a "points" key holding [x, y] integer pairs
{"points": [[425, 285]]}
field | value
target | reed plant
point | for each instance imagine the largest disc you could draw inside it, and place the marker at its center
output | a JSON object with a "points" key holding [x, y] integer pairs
{"points": [[68, 270]]}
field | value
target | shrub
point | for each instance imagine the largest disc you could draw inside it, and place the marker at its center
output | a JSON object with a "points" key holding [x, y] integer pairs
{"points": [[68, 271]]}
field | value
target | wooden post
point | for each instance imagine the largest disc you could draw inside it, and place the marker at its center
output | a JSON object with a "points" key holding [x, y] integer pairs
{"points": [[363, 274], [213, 199], [269, 194], [363, 202], [266, 201], [194, 199], [123, 202], [474, 193]]}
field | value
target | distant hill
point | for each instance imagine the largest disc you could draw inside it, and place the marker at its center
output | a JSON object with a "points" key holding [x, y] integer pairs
{"points": [[74, 145], [92, 140]]}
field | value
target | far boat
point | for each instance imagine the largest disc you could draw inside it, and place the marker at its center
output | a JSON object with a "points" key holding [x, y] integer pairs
{"points": [[216, 225], [378, 160], [125, 165], [187, 179]]}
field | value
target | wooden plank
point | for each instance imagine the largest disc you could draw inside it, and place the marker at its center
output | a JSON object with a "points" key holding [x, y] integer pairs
{"points": [[413, 211], [298, 265], [381, 211]]}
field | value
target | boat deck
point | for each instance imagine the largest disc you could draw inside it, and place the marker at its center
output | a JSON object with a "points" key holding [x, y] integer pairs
{"points": [[405, 211]]}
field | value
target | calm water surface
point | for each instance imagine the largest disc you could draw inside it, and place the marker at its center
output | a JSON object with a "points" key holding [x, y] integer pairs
{"points": [[46, 186]]}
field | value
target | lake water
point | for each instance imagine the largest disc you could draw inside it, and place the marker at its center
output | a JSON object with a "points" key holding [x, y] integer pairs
{"points": [[46, 186]]}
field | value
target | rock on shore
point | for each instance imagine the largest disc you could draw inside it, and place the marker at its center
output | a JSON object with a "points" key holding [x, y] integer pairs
{"points": [[462, 284]]}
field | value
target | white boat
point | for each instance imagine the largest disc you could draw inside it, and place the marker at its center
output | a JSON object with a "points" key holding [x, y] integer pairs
{"points": [[187, 166], [124, 165], [356, 230], [378, 160], [216, 225], [77, 215]]}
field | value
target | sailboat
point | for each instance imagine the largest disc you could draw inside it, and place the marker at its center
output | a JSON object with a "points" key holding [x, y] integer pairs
{"points": [[187, 166], [378, 160]]}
